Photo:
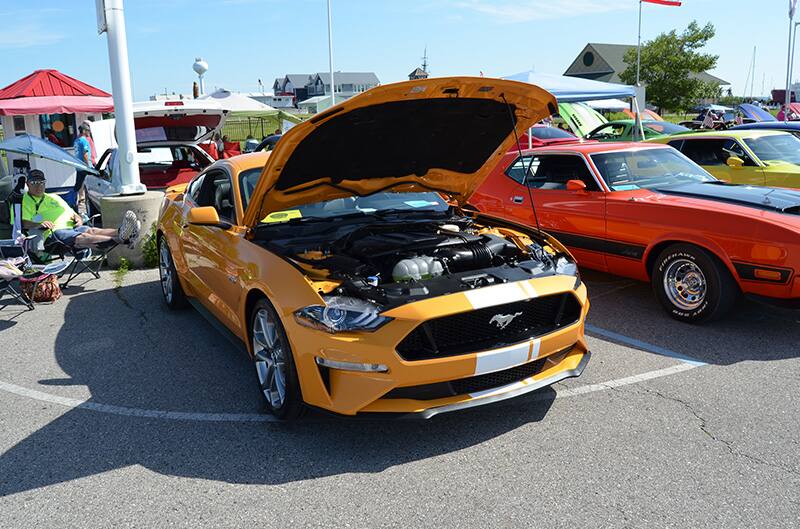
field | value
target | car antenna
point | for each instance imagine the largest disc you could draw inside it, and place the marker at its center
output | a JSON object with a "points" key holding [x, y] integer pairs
{"points": [[519, 150]]}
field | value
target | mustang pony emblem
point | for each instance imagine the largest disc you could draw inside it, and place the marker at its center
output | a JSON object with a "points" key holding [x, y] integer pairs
{"points": [[502, 320]]}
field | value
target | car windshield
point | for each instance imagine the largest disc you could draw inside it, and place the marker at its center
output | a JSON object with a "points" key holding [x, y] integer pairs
{"points": [[647, 169], [777, 147], [550, 133], [377, 203], [664, 127]]}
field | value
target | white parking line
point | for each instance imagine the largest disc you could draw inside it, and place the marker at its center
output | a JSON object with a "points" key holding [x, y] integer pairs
{"points": [[257, 417]]}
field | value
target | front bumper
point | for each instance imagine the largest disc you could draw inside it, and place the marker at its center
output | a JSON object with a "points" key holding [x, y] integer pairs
{"points": [[510, 391], [551, 357]]}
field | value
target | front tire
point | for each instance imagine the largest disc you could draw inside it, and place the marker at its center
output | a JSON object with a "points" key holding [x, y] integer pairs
{"points": [[692, 285], [174, 297], [274, 362]]}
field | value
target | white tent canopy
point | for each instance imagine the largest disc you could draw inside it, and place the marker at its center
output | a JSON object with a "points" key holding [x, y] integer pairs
{"points": [[238, 103], [611, 105], [574, 89]]}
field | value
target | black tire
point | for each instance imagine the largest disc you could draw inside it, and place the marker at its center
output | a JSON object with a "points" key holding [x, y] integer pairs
{"points": [[692, 285], [290, 406], [174, 296]]}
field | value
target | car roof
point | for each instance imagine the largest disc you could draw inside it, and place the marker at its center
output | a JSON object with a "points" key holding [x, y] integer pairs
{"points": [[597, 147], [769, 125], [244, 162], [738, 134]]}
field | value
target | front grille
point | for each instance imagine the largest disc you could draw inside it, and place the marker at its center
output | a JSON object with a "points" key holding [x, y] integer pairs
{"points": [[464, 386], [475, 331]]}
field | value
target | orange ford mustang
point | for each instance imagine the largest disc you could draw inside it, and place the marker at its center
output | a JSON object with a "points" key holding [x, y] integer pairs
{"points": [[354, 284], [649, 213]]}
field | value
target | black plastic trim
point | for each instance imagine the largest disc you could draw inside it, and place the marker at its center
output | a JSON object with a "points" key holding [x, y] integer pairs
{"points": [[595, 244], [747, 272]]}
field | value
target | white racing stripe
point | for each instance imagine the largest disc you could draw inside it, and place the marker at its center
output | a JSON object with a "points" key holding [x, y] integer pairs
{"points": [[499, 359], [500, 294]]}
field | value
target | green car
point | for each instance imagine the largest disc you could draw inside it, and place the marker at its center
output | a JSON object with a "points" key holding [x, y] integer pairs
{"points": [[622, 130]]}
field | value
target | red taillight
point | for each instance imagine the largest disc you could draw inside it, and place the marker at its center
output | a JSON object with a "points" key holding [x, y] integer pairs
{"points": [[173, 103]]}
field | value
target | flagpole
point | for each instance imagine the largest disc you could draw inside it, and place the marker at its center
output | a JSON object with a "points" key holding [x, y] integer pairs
{"points": [[639, 45], [330, 56], [787, 96]]}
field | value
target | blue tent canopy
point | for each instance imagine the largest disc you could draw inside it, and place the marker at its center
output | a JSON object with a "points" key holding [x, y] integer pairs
{"points": [[574, 89], [35, 146]]}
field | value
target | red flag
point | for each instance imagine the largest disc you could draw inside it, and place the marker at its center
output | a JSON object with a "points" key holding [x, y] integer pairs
{"points": [[664, 2]]}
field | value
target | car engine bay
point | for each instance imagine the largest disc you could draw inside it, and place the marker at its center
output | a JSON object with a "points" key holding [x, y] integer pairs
{"points": [[393, 262]]}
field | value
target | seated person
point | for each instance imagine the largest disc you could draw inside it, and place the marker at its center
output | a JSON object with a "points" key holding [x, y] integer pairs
{"points": [[50, 213]]}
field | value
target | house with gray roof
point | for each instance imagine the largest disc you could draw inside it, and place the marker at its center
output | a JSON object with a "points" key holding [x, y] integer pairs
{"points": [[348, 84], [293, 84], [605, 62]]}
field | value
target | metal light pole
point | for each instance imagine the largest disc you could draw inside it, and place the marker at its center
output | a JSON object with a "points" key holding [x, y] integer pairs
{"points": [[787, 97], [111, 20], [639, 45], [330, 55]]}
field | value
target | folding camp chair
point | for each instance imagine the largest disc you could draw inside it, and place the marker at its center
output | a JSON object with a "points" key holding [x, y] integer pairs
{"points": [[8, 274], [83, 259]]}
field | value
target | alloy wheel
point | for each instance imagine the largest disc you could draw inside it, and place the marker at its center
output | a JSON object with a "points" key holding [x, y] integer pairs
{"points": [[165, 271], [685, 284], [270, 358]]}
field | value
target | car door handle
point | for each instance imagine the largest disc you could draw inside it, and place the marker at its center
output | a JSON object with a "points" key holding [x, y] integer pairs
{"points": [[517, 200]]}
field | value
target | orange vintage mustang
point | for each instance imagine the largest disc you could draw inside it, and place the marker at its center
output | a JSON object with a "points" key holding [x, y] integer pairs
{"points": [[354, 284], [649, 213]]}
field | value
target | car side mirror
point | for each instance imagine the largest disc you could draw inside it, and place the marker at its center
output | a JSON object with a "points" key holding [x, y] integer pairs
{"points": [[576, 185], [206, 216], [734, 161]]}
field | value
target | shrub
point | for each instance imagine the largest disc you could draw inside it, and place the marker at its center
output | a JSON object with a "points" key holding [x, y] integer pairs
{"points": [[150, 248]]}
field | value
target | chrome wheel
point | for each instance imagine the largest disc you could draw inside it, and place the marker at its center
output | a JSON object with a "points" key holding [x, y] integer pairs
{"points": [[270, 358], [165, 271], [685, 284]]}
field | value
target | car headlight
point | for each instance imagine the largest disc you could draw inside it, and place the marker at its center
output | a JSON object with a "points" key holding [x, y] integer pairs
{"points": [[567, 267], [340, 314]]}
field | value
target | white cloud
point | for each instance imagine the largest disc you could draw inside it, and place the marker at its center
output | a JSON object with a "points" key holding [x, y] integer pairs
{"points": [[528, 10]]}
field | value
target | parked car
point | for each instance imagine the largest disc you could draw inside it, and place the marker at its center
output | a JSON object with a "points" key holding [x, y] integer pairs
{"points": [[168, 134], [353, 284], [754, 157], [647, 212], [783, 126], [623, 129], [541, 135]]}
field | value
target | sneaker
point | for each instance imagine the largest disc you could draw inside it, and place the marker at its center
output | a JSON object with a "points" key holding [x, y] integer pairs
{"points": [[129, 225], [137, 228]]}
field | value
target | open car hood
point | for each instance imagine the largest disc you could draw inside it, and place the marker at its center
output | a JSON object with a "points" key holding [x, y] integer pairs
{"points": [[427, 135], [183, 121]]}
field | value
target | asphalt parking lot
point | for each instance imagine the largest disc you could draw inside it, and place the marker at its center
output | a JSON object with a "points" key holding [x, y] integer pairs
{"points": [[118, 413]]}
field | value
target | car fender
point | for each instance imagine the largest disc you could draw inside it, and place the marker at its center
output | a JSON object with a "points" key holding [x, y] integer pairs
{"points": [[689, 238]]}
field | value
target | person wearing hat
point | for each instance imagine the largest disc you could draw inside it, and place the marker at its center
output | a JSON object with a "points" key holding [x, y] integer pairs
{"points": [[49, 212]]}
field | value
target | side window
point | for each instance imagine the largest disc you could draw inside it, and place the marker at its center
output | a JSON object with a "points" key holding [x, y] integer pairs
{"points": [[518, 168], [704, 152], [216, 191], [554, 171], [193, 191], [676, 144], [733, 148]]}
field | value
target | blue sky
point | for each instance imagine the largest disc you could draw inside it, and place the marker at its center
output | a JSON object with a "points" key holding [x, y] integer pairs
{"points": [[244, 40]]}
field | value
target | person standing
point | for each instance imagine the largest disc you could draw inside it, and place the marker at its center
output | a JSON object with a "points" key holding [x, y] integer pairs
{"points": [[83, 152], [93, 153]]}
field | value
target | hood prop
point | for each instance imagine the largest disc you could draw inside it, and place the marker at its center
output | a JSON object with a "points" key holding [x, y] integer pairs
{"points": [[519, 150]]}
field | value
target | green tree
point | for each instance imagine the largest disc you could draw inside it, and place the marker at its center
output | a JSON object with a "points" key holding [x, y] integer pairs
{"points": [[667, 65]]}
